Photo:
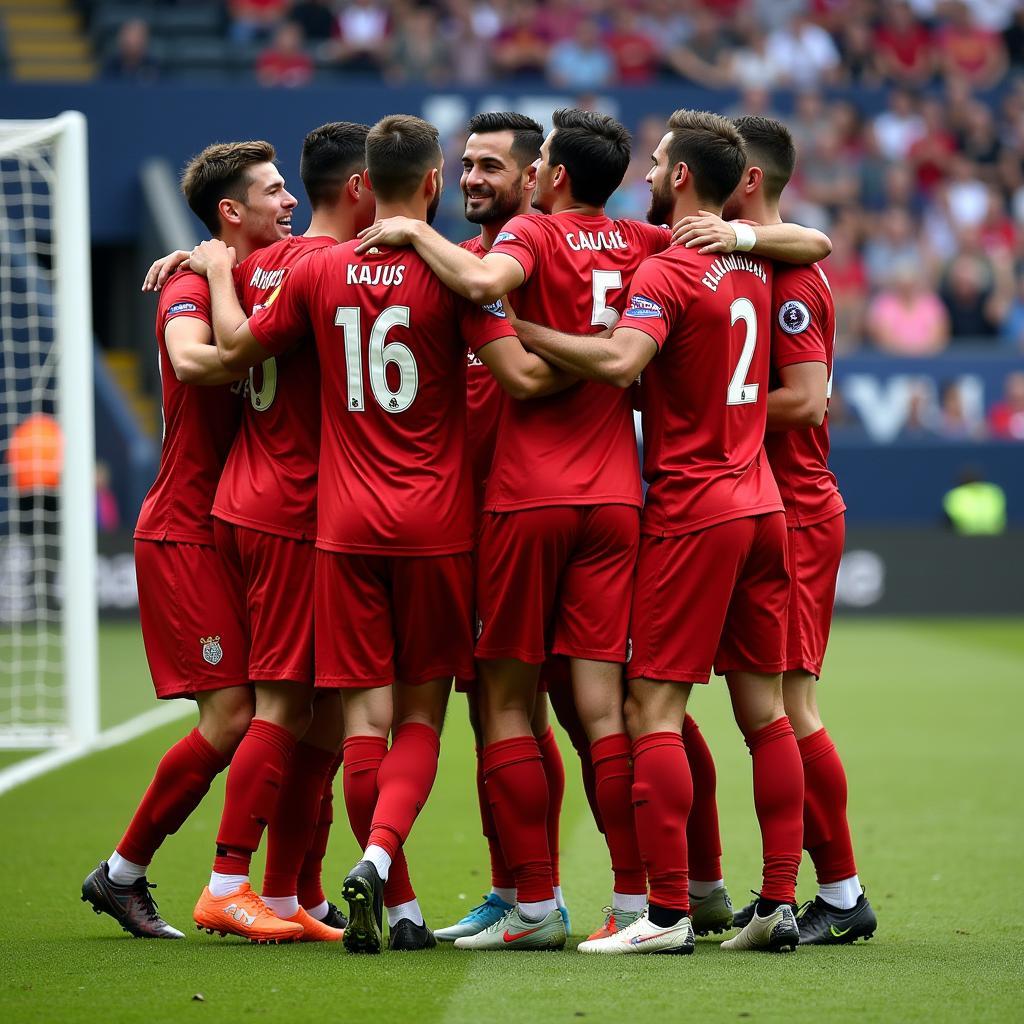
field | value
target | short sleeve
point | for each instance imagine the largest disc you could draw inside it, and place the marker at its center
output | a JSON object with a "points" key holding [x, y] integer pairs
{"points": [[652, 238], [480, 325], [285, 316], [652, 302], [798, 323], [186, 294], [522, 239]]}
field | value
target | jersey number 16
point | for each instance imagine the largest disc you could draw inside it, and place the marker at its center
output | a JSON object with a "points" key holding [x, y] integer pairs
{"points": [[379, 355]]}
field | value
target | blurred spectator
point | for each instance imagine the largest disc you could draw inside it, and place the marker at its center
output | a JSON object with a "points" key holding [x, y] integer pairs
{"points": [[970, 289], [1006, 417], [634, 51], [1012, 328], [1013, 38], [669, 26], [362, 40], [254, 21], [108, 518], [907, 318], [849, 285], [858, 54], [952, 420], [419, 52], [285, 62], [802, 52], [521, 47], [750, 65], [904, 46], [582, 62], [967, 50], [894, 243], [931, 152], [899, 126], [132, 58], [315, 18], [705, 57]]}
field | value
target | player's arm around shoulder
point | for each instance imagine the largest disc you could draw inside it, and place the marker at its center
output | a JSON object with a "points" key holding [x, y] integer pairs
{"points": [[188, 335], [789, 243], [481, 281]]}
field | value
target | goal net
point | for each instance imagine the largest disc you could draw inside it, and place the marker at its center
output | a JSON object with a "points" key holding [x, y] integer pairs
{"points": [[48, 630]]}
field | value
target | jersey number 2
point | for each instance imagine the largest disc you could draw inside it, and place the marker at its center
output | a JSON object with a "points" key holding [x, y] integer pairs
{"points": [[379, 355], [740, 392]]}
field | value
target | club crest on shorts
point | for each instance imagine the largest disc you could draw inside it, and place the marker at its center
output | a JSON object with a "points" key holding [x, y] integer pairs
{"points": [[212, 650]]}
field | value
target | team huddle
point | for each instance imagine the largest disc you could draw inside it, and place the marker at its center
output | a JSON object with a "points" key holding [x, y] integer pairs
{"points": [[391, 462]]}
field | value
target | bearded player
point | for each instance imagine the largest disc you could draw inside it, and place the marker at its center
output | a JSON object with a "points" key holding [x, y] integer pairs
{"points": [[711, 584], [196, 644], [797, 444]]}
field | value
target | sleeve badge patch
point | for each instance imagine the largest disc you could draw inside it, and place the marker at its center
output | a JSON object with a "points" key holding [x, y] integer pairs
{"points": [[496, 309], [640, 307], [794, 316], [182, 307], [504, 236]]}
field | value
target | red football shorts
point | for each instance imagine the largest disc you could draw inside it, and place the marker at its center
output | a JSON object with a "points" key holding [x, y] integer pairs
{"points": [[556, 580], [271, 578], [385, 617], [194, 635], [814, 556], [712, 599]]}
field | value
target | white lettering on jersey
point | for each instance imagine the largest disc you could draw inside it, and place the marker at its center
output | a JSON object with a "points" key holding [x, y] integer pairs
{"points": [[363, 273], [595, 241], [264, 279], [726, 264]]}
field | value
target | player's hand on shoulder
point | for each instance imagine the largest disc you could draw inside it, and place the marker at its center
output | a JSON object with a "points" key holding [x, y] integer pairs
{"points": [[392, 231], [706, 232], [210, 254], [161, 270]]}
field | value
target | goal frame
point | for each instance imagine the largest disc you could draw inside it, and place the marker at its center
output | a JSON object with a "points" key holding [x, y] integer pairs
{"points": [[74, 338]]}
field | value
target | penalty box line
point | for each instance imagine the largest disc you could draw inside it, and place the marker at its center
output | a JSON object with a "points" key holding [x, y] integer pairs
{"points": [[50, 760]]}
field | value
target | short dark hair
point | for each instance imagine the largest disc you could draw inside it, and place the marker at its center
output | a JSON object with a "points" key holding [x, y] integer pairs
{"points": [[331, 154], [221, 171], [594, 149], [527, 134], [400, 149], [711, 148], [770, 146]]}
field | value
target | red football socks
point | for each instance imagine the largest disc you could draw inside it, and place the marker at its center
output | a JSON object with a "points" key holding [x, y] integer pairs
{"points": [[703, 839], [779, 803], [182, 779], [518, 793], [255, 778], [662, 795], [826, 829], [295, 821], [501, 874], [613, 772], [404, 781], [363, 757], [311, 888], [554, 772]]}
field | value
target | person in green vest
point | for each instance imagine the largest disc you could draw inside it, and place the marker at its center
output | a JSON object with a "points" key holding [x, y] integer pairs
{"points": [[975, 507]]}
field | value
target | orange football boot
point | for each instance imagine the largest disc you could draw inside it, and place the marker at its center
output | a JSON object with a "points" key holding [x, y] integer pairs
{"points": [[314, 930], [615, 921], [243, 913]]}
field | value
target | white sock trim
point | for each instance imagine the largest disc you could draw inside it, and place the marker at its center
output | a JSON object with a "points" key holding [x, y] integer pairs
{"points": [[701, 889], [319, 912], [508, 895], [124, 872], [225, 885], [410, 910], [559, 899], [842, 894], [631, 902], [380, 859], [284, 906], [535, 912]]}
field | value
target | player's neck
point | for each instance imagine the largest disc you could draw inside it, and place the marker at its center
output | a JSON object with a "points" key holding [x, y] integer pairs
{"points": [[489, 232], [338, 224], [761, 212], [689, 205], [240, 242], [412, 210], [566, 204]]}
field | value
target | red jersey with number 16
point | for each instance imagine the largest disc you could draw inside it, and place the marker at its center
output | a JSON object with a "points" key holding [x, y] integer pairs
{"points": [[199, 425], [269, 480], [803, 331], [705, 393], [394, 468], [577, 447]]}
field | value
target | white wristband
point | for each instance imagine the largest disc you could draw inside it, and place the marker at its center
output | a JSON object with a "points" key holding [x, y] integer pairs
{"points": [[746, 239]]}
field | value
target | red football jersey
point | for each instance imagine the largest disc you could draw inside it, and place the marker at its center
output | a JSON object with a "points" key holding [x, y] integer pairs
{"points": [[394, 466], [577, 447], [199, 425], [484, 397], [705, 393], [803, 331], [269, 480]]}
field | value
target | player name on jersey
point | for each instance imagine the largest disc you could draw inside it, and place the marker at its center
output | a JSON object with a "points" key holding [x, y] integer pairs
{"points": [[384, 276], [726, 264], [595, 241]]}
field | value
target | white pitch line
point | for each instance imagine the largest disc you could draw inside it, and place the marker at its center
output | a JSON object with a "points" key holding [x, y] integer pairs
{"points": [[33, 767]]}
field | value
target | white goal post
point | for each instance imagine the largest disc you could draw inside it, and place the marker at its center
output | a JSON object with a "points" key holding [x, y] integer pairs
{"points": [[49, 685]]}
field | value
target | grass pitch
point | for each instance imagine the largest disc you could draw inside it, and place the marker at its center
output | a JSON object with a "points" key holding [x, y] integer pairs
{"points": [[926, 715]]}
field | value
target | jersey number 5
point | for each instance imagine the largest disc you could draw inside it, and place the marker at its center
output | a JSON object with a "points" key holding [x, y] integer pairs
{"points": [[740, 392], [379, 356]]}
